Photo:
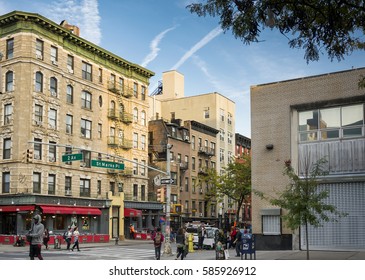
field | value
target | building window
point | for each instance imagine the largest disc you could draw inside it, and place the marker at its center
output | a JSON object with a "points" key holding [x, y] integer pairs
{"points": [[229, 118], [54, 55], [331, 123], [221, 113], [271, 225], [36, 182], [7, 148], [86, 100], [38, 114], [221, 134], [143, 118], [53, 86], [68, 151], [52, 151], [143, 93], [135, 115], [52, 119], [121, 85], [143, 142], [135, 191], [120, 187], [68, 185], [143, 168], [206, 113], [86, 128], [39, 49], [221, 155], [186, 184], [6, 182], [100, 75], [37, 149], [85, 187], [70, 63], [10, 48], [51, 184], [69, 124], [135, 90], [230, 137], [112, 81], [100, 130], [193, 163], [112, 187], [8, 113], [98, 190], [86, 71], [86, 155], [38, 82], [9, 81], [193, 142], [135, 166], [70, 94], [143, 192], [135, 141]]}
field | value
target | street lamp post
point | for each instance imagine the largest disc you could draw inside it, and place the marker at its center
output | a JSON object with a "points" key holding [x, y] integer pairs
{"points": [[167, 248]]}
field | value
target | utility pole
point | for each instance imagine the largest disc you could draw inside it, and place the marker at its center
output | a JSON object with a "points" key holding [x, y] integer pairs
{"points": [[167, 248]]}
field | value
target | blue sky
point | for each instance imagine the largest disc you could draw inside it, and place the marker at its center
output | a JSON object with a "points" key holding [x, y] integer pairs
{"points": [[162, 35]]}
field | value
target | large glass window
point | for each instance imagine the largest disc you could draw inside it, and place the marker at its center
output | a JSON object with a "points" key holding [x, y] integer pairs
{"points": [[331, 123], [86, 100], [37, 182], [7, 148], [10, 48], [38, 82], [6, 182], [271, 225], [86, 128], [85, 187], [9, 81], [52, 119], [8, 113], [70, 94], [51, 184], [86, 71], [39, 49]]}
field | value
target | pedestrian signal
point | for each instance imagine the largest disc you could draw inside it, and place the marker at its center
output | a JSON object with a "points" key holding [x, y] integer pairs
{"points": [[161, 195]]}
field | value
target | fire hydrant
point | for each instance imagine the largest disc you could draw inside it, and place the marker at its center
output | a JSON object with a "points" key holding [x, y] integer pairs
{"points": [[190, 244]]}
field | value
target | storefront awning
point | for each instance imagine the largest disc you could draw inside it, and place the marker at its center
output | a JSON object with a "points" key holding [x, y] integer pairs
{"points": [[130, 212], [16, 208], [70, 210]]}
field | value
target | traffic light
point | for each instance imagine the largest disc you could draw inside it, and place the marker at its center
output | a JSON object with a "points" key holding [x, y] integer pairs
{"points": [[176, 208], [29, 155], [161, 195]]}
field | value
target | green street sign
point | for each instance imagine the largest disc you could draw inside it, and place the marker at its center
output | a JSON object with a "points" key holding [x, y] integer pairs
{"points": [[71, 157], [107, 164]]}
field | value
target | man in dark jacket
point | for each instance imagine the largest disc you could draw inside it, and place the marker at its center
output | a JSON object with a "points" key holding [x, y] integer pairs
{"points": [[238, 242], [36, 233]]}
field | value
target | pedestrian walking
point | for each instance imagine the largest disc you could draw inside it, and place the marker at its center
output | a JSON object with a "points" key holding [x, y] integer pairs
{"points": [[131, 231], [35, 236], [238, 242], [68, 235], [180, 244], [76, 234], [46, 238], [186, 247], [158, 238]]}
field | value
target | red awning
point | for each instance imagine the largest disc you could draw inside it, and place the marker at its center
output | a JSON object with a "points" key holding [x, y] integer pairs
{"points": [[16, 208], [70, 210], [130, 212]]}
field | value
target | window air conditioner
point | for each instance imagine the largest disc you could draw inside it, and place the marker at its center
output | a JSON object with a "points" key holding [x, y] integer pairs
{"points": [[39, 56], [54, 62], [82, 164], [68, 192], [52, 159], [200, 214], [53, 93], [37, 157], [186, 138], [70, 70], [38, 123]]}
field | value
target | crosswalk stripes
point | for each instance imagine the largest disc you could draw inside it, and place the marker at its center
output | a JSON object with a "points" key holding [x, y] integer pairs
{"points": [[119, 252]]}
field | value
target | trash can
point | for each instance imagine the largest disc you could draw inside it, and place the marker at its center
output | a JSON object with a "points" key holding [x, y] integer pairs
{"points": [[248, 246]]}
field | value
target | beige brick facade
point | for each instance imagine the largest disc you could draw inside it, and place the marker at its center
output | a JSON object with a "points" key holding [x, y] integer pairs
{"points": [[274, 108]]}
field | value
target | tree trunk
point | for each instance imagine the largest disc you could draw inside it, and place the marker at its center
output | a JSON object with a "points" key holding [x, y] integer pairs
{"points": [[306, 239]]}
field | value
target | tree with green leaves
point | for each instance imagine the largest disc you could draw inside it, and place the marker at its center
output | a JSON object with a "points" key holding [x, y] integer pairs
{"points": [[336, 27], [302, 200], [236, 181]]}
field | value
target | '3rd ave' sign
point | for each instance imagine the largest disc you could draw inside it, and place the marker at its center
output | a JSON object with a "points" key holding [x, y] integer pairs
{"points": [[107, 164]]}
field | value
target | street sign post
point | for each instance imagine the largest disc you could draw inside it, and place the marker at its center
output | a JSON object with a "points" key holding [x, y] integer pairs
{"points": [[71, 157], [107, 164], [166, 181]]}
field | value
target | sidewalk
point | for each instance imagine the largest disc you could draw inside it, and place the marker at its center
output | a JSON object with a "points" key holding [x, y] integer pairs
{"points": [[210, 254]]}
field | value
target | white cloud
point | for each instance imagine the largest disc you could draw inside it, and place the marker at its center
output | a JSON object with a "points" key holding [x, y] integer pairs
{"points": [[84, 14], [154, 47], [210, 36]]}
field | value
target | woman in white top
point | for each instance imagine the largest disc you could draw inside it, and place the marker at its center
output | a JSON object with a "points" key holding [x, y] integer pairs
{"points": [[76, 234]]}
